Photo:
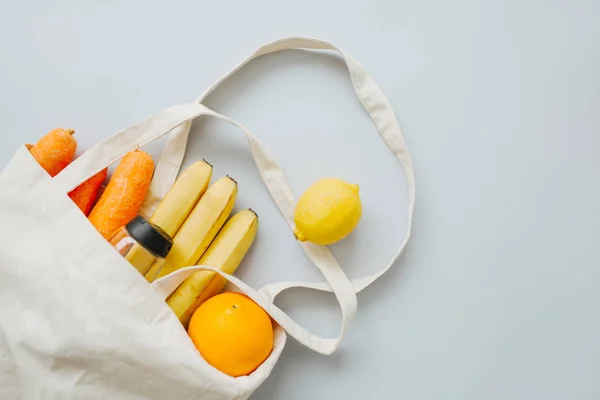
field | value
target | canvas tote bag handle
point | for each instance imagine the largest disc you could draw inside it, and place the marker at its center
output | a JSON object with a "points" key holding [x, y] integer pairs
{"points": [[159, 124], [374, 102], [167, 284]]}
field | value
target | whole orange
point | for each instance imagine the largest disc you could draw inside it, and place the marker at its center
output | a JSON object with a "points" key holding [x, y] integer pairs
{"points": [[232, 333]]}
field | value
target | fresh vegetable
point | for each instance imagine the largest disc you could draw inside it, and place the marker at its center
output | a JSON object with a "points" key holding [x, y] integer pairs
{"points": [[85, 195], [199, 229], [124, 194], [225, 253], [232, 333], [55, 150]]}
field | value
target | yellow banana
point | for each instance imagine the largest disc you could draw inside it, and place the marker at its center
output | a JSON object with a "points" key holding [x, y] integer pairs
{"points": [[182, 197], [225, 253], [200, 228], [174, 209], [140, 258]]}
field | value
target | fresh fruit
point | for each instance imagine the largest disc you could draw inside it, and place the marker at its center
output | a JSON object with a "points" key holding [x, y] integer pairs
{"points": [[327, 211], [124, 194], [182, 197], [55, 150], [141, 242], [85, 195], [225, 253], [133, 252], [199, 229], [174, 208], [140, 258], [232, 333]]}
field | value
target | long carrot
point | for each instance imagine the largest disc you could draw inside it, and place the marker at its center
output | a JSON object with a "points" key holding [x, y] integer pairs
{"points": [[55, 150], [85, 195], [124, 194]]}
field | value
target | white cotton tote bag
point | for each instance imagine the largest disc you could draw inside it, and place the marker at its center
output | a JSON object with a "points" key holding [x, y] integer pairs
{"points": [[78, 322]]}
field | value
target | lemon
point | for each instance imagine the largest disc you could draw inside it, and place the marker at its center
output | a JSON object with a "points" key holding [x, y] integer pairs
{"points": [[327, 211]]}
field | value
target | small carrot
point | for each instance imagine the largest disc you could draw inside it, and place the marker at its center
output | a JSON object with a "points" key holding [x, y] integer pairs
{"points": [[55, 150], [124, 194], [85, 195]]}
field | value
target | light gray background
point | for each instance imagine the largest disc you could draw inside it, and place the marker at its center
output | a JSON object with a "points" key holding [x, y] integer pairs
{"points": [[497, 295]]}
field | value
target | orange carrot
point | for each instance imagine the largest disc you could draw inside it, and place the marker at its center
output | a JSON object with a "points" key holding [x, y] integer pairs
{"points": [[124, 194], [55, 150], [85, 195]]}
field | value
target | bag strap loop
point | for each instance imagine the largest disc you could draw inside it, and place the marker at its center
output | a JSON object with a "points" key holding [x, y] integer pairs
{"points": [[167, 284], [374, 102]]}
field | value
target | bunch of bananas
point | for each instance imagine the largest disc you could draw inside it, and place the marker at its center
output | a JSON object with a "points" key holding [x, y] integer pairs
{"points": [[195, 213]]}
